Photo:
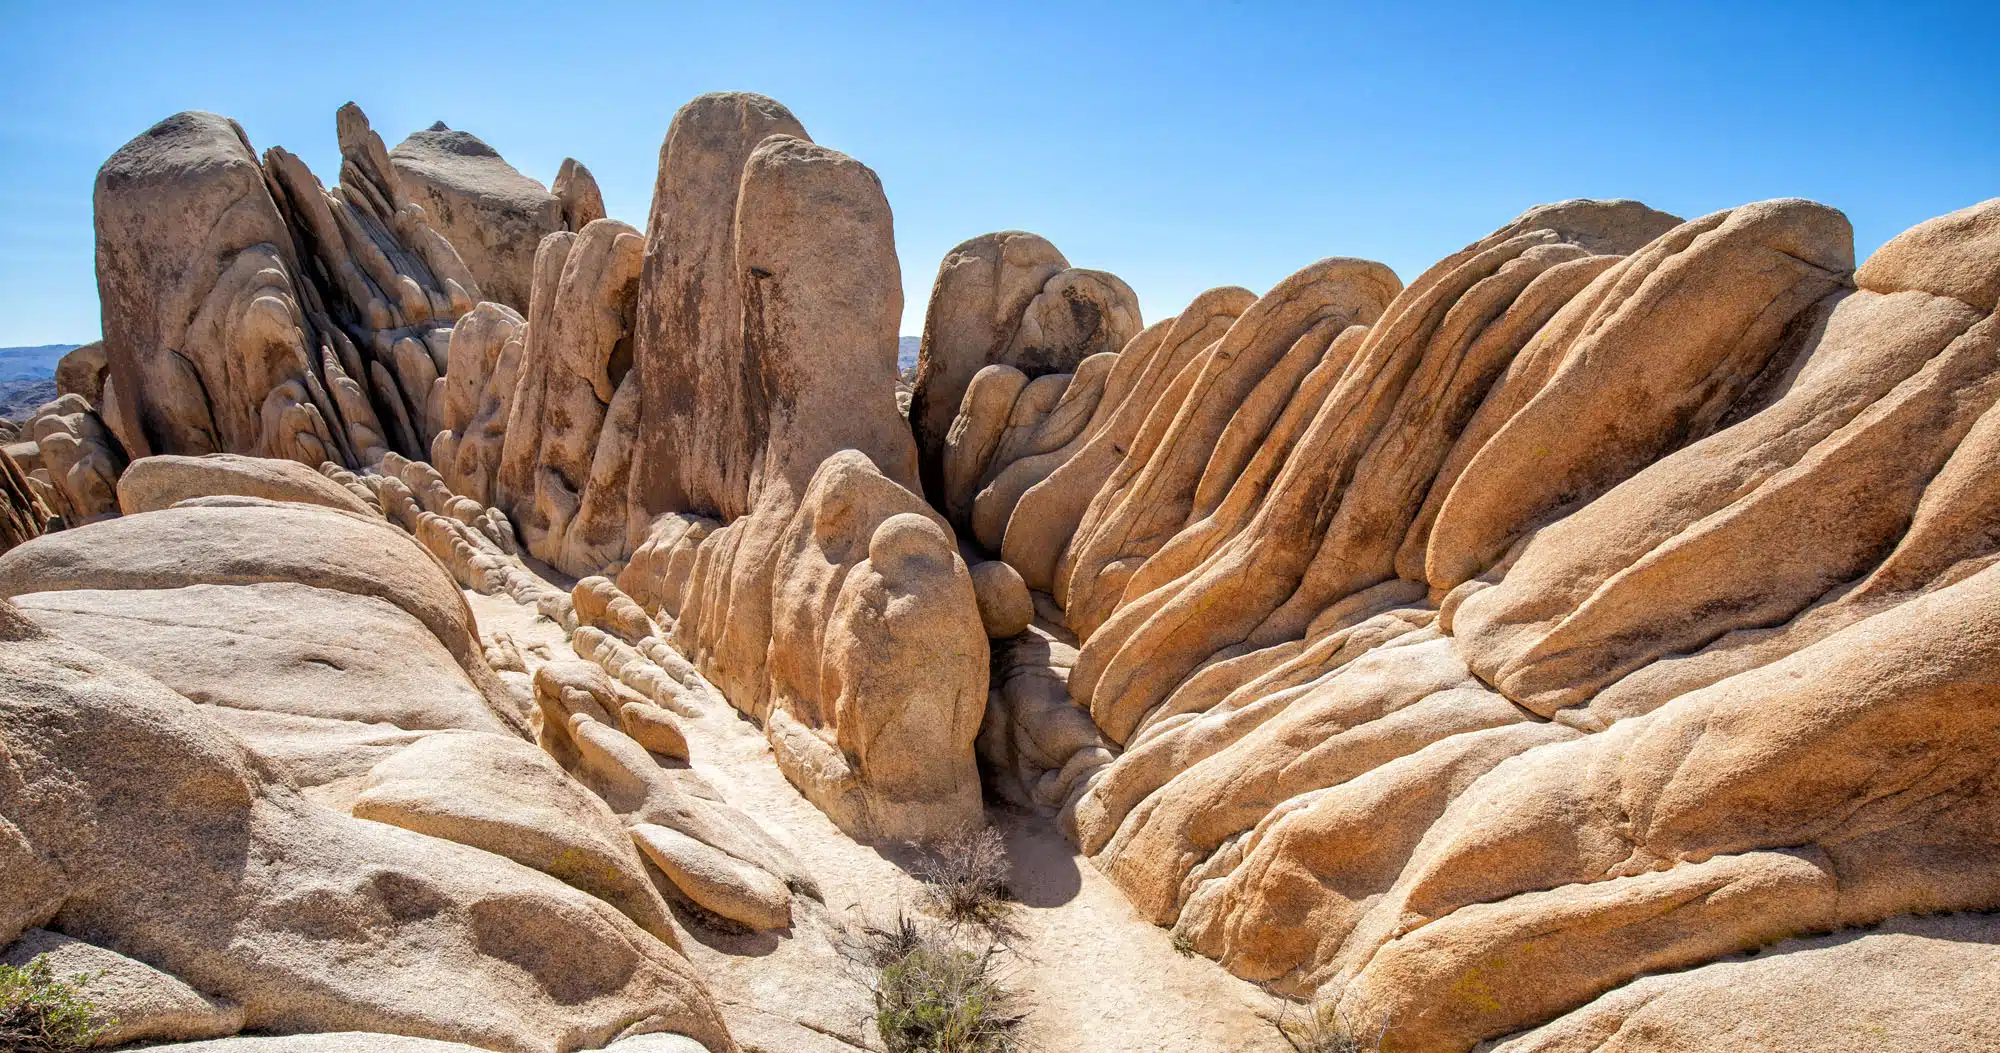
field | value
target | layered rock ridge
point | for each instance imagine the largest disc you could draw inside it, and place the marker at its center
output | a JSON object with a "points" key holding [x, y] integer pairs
{"points": [[1606, 601]]}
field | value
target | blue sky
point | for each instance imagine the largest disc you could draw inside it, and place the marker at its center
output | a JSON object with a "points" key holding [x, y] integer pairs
{"points": [[1180, 145]]}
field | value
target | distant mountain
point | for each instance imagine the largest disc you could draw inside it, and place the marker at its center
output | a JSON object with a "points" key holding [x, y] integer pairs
{"points": [[32, 363], [27, 377], [906, 352], [19, 398]]}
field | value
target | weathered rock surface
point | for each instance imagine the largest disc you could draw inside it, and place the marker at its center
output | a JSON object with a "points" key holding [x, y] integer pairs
{"points": [[702, 393], [152, 483], [23, 512], [503, 795], [1912, 983], [773, 458], [1005, 607], [1500, 658], [249, 309], [1012, 299], [851, 629], [81, 458], [571, 426], [83, 372], [137, 824], [195, 273], [492, 214], [716, 857], [1521, 638], [280, 647], [576, 188]]}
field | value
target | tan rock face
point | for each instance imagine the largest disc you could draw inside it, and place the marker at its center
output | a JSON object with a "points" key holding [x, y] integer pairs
{"points": [[1005, 607], [1925, 982], [1561, 622], [83, 461], [83, 372], [1949, 256], [195, 272], [707, 852], [509, 798], [492, 214], [697, 381], [854, 634], [250, 543], [383, 288], [1008, 298], [152, 483], [767, 432], [822, 296], [1497, 656], [567, 446], [249, 309], [135, 1002], [487, 346], [1147, 376], [23, 513], [151, 810], [576, 188]]}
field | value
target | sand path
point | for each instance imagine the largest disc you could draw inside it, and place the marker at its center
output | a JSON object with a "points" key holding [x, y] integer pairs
{"points": [[1093, 975]]}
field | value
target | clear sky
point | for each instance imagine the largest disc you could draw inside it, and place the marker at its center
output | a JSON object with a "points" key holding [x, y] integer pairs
{"points": [[1180, 145]]}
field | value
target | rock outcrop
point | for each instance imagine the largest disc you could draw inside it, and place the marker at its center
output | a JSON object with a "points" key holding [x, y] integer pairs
{"points": [[1590, 644], [492, 214], [79, 458], [1555, 621], [132, 809], [1008, 299], [23, 513], [783, 539], [249, 309]]}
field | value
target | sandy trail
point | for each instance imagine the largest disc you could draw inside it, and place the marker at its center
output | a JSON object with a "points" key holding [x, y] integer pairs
{"points": [[1093, 975]]}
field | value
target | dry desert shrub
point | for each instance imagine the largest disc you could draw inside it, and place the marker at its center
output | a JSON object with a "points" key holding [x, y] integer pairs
{"points": [[1321, 1026], [965, 878]]}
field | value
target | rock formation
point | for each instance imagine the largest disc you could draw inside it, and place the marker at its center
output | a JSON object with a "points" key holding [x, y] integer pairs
{"points": [[492, 214], [249, 309], [1590, 644], [1007, 299], [362, 652], [1547, 623], [784, 329], [24, 514]]}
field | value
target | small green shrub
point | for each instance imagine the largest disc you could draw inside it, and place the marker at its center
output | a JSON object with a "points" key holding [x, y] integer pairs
{"points": [[965, 878], [43, 1013], [1183, 944], [934, 995]]}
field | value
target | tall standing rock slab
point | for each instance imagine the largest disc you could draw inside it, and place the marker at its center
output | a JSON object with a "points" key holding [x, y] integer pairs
{"points": [[693, 371], [822, 296], [576, 188], [783, 367], [492, 214], [575, 364]]}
